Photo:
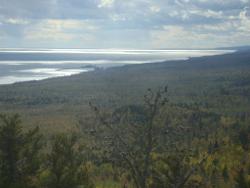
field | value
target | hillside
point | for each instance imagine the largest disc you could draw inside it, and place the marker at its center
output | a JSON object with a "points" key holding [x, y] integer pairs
{"points": [[106, 128], [218, 82]]}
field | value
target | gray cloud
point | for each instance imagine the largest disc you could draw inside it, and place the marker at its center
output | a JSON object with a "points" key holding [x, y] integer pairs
{"points": [[117, 23]]}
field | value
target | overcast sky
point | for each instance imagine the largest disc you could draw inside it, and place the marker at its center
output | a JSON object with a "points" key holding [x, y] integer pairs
{"points": [[124, 23]]}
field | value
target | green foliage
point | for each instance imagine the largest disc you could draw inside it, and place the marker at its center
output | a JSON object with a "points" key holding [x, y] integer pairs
{"points": [[169, 171], [241, 180], [207, 116], [244, 138], [19, 153], [132, 135], [65, 167]]}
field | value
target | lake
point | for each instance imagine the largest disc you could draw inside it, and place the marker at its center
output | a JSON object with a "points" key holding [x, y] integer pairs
{"points": [[18, 65]]}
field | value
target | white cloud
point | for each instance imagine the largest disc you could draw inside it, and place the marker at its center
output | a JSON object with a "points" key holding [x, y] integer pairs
{"points": [[106, 3], [245, 1], [207, 13], [245, 21], [68, 24], [170, 36], [230, 33], [57, 30], [155, 9], [223, 2], [182, 23], [221, 27], [118, 17], [16, 21]]}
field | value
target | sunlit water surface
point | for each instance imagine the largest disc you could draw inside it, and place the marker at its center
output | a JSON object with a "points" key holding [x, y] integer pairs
{"points": [[19, 65]]}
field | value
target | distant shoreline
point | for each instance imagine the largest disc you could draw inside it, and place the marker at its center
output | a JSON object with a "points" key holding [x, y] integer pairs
{"points": [[40, 68]]}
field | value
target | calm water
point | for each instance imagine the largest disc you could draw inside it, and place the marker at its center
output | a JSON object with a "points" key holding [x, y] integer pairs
{"points": [[18, 65]]}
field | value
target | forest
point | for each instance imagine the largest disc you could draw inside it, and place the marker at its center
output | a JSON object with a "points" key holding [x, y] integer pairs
{"points": [[176, 124]]}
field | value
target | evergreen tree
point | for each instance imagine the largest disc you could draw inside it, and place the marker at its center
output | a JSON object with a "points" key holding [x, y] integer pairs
{"points": [[65, 164], [19, 153], [241, 180]]}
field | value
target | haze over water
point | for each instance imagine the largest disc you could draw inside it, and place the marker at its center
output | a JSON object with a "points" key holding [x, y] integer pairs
{"points": [[18, 65]]}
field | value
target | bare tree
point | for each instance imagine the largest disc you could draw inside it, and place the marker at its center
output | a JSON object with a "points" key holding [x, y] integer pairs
{"points": [[130, 135], [133, 134]]}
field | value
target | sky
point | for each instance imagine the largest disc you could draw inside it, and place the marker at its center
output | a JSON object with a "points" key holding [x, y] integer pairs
{"points": [[135, 24]]}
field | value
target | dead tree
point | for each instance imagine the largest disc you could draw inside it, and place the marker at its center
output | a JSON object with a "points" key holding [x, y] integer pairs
{"points": [[129, 136], [134, 140]]}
